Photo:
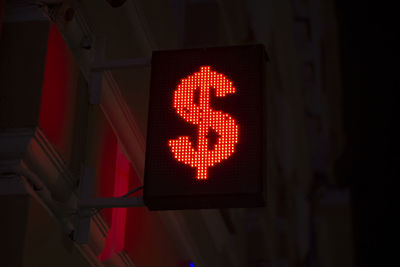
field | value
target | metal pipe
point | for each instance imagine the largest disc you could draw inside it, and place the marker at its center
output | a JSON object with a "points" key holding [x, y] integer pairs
{"points": [[112, 202], [121, 64]]}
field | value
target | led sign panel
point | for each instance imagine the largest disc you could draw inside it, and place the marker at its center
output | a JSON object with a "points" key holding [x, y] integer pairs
{"points": [[205, 139]]}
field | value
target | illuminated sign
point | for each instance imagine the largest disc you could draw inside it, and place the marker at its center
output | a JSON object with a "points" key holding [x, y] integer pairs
{"points": [[205, 139], [206, 119]]}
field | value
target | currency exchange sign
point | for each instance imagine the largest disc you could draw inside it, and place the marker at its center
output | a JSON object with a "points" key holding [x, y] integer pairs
{"points": [[206, 134]]}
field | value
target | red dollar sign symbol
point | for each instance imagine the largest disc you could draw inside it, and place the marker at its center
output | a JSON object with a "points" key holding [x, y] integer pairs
{"points": [[206, 118]]}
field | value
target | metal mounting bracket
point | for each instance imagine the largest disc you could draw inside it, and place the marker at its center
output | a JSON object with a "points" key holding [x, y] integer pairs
{"points": [[99, 65], [86, 202]]}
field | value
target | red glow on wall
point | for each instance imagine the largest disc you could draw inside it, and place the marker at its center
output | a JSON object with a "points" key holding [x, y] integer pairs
{"points": [[57, 108], [115, 239], [206, 118]]}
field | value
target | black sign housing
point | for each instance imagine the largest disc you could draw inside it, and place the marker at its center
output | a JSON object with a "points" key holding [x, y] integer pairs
{"points": [[234, 182]]}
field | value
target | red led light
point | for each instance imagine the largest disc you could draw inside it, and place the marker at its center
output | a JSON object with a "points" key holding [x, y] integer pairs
{"points": [[206, 119]]}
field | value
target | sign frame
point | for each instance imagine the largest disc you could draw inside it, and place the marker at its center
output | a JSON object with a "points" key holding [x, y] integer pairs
{"points": [[205, 200]]}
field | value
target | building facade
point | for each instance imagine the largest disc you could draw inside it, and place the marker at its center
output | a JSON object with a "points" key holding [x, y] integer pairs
{"points": [[62, 115]]}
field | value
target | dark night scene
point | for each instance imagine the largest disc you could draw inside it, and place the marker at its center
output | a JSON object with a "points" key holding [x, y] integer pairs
{"points": [[199, 133]]}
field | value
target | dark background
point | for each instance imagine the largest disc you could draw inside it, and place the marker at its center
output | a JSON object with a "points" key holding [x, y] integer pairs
{"points": [[370, 54]]}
